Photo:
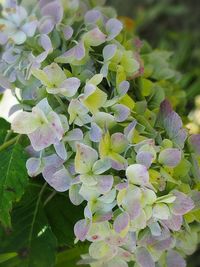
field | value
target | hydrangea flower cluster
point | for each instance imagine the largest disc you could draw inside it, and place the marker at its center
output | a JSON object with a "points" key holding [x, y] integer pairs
{"points": [[92, 101]]}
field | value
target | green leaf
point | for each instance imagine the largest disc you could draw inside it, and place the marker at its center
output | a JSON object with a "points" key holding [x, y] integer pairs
{"points": [[32, 237], [71, 256], [6, 256], [4, 127], [13, 180], [62, 216]]}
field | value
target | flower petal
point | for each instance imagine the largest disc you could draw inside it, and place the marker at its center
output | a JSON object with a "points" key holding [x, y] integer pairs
{"points": [[113, 28], [170, 157], [85, 158]]}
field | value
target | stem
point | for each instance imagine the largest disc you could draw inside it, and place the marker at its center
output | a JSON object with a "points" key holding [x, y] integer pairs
{"points": [[36, 210], [8, 135], [10, 142], [49, 198]]}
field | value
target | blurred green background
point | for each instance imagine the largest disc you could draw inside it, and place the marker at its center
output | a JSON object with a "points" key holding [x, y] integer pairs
{"points": [[172, 25]]}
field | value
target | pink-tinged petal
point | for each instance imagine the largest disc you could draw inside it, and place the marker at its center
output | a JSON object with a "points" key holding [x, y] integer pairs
{"points": [[145, 158], [85, 158], [54, 10], [162, 244], [174, 223], [70, 87], [29, 28], [121, 112], [45, 42], [182, 205], [81, 229], [194, 143], [121, 186], [68, 32], [33, 166], [174, 259], [75, 53], [113, 28], [42, 137], [53, 161], [46, 26], [55, 124], [121, 223], [134, 208], [103, 217], [109, 51], [92, 16], [74, 195], [61, 150], [95, 133], [94, 37], [60, 181], [170, 157], [143, 258], [137, 174], [105, 183], [118, 162], [118, 142]]}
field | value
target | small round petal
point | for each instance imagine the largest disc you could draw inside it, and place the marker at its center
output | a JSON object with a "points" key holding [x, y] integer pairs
{"points": [[170, 157], [61, 150], [101, 166], [60, 181], [109, 51], [46, 25], [113, 28], [68, 32], [174, 222], [25, 123], [95, 133], [118, 142], [121, 223], [105, 183], [45, 42], [161, 211], [92, 16], [33, 166], [85, 158], [121, 112], [94, 37], [18, 37], [143, 258], [70, 86], [74, 195], [29, 28], [182, 205], [99, 250], [174, 259], [145, 158], [137, 174], [49, 11], [81, 229]]}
